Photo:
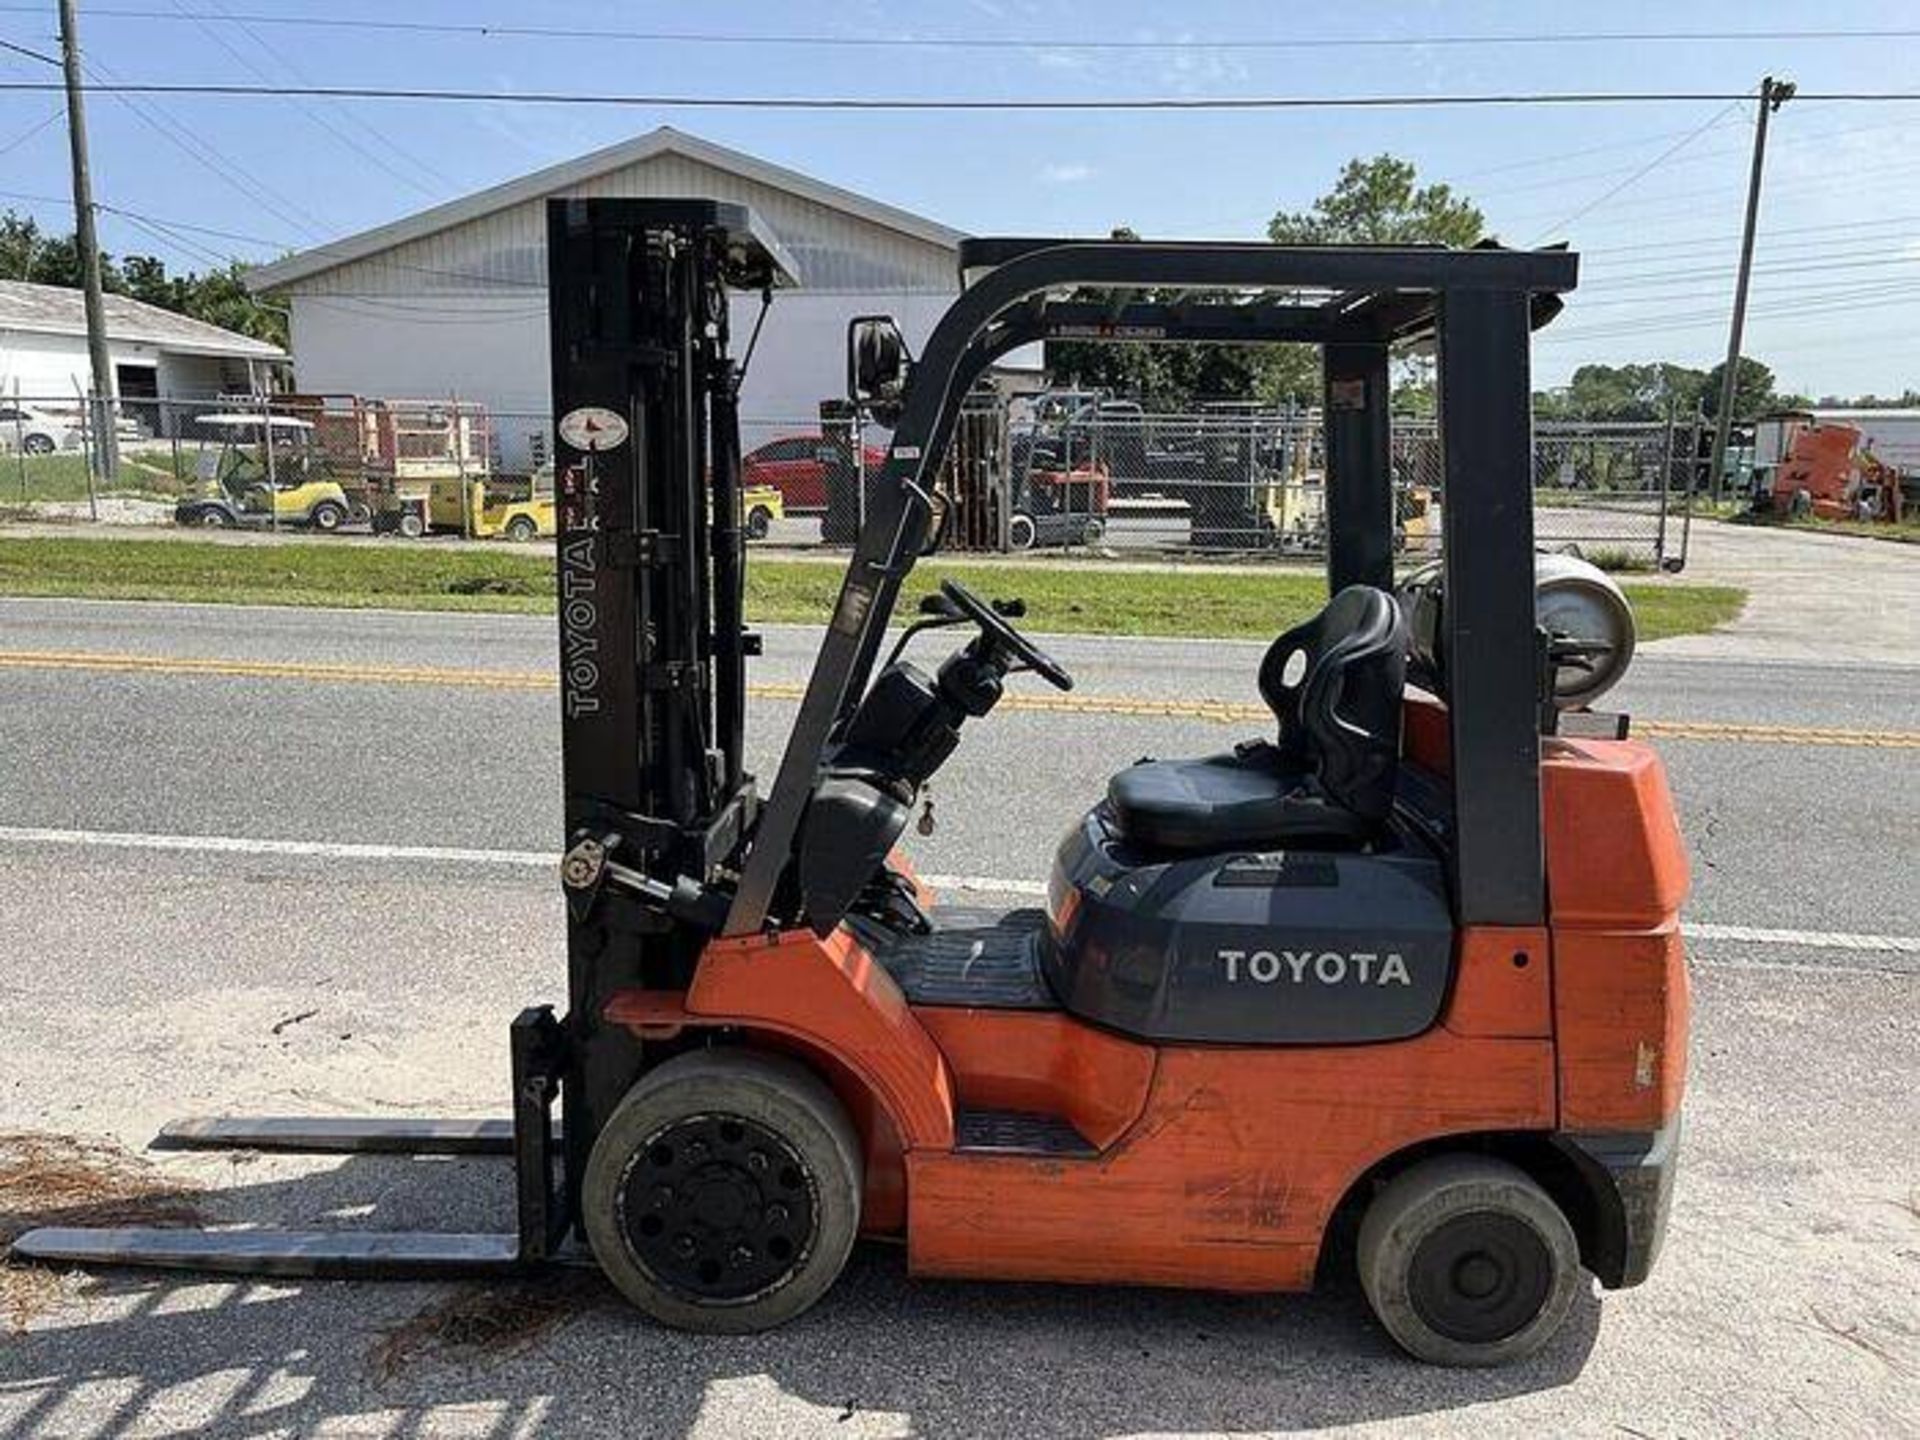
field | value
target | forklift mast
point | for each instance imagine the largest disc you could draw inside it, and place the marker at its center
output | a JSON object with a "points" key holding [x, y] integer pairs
{"points": [[653, 648]]}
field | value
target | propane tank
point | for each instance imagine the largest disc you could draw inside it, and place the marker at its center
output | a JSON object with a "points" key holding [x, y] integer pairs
{"points": [[1573, 599]]}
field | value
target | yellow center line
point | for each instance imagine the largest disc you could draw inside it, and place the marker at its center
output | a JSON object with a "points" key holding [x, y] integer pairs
{"points": [[1223, 712]]}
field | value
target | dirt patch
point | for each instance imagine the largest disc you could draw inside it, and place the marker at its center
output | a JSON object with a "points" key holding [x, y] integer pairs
{"points": [[48, 1179], [482, 1323]]}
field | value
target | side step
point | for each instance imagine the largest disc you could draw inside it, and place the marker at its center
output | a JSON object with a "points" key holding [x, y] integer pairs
{"points": [[312, 1254], [1017, 1132], [338, 1135]]}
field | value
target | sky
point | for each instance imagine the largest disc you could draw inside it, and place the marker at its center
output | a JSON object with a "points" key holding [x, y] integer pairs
{"points": [[1650, 194]]}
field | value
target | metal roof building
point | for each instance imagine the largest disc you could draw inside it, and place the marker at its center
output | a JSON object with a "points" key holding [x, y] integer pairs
{"points": [[43, 348], [451, 302]]}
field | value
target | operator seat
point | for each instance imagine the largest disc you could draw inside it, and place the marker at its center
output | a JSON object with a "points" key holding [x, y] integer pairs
{"points": [[1335, 684]]}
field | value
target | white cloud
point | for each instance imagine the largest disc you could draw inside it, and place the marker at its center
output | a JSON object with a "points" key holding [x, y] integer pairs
{"points": [[1065, 174]]}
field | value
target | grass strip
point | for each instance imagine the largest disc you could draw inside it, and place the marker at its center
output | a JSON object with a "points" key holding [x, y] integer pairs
{"points": [[1061, 599]]}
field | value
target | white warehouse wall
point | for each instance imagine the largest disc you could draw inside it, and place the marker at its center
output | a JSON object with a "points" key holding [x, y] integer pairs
{"points": [[492, 348]]}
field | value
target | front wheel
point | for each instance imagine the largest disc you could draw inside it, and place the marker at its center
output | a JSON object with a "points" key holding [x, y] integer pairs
{"points": [[521, 529], [723, 1194], [214, 518], [1021, 532], [1466, 1261], [411, 525], [38, 445], [759, 522]]}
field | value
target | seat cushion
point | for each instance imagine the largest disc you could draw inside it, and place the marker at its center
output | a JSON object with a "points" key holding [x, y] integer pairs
{"points": [[1245, 799]]}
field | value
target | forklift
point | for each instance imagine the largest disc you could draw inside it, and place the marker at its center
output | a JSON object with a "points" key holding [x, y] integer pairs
{"points": [[1397, 985]]}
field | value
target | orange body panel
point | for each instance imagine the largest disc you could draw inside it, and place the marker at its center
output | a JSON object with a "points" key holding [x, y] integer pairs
{"points": [[1617, 874], [1229, 1177], [1220, 1167], [830, 995], [1045, 1063], [1502, 984]]}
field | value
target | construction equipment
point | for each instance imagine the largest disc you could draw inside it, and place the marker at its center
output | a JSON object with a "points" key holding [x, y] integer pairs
{"points": [[260, 471], [521, 517], [760, 506], [1408, 967], [1824, 470]]}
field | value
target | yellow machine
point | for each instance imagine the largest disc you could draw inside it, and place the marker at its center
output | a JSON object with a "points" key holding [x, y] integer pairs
{"points": [[259, 471], [760, 506], [522, 519]]}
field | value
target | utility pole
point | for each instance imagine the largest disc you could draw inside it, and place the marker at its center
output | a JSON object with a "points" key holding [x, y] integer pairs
{"points": [[1773, 94], [106, 440]]}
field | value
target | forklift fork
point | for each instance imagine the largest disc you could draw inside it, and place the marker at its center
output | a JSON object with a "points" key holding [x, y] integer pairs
{"points": [[540, 1237]]}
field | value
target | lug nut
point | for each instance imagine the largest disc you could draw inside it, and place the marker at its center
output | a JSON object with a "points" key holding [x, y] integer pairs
{"points": [[683, 1245], [757, 1161]]}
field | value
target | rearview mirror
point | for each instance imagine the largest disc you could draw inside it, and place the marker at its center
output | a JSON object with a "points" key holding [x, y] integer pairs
{"points": [[877, 363]]}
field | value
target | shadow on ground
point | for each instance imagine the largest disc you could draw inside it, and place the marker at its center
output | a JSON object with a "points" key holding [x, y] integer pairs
{"points": [[561, 1353]]}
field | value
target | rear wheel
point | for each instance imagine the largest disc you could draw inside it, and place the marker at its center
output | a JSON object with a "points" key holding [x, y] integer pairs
{"points": [[327, 516], [723, 1194], [1467, 1261], [411, 525], [38, 444], [759, 522], [1021, 532], [522, 529]]}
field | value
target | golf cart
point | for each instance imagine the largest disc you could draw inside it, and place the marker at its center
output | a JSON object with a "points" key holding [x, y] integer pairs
{"points": [[261, 471], [1397, 985]]}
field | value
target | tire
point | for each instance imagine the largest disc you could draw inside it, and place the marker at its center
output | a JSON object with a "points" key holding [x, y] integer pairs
{"points": [[1467, 1262], [521, 529], [775, 1138], [411, 525], [759, 522], [1093, 532], [326, 517], [38, 444], [214, 519], [1021, 532]]}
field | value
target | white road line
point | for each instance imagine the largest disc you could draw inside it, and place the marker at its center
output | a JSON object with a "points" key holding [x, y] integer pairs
{"points": [[247, 845], [963, 884]]}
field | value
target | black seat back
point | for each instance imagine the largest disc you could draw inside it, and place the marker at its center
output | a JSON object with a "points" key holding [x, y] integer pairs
{"points": [[1336, 685]]}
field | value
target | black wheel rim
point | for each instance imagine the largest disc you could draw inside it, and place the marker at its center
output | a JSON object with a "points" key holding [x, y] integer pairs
{"points": [[719, 1208], [1479, 1278]]}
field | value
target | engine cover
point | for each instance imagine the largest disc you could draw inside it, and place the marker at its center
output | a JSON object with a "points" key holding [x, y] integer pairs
{"points": [[1295, 948]]}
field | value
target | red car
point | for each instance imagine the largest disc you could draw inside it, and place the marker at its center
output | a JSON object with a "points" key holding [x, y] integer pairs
{"points": [[796, 466]]}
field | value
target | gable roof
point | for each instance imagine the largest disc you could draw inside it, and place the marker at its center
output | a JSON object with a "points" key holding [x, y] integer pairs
{"points": [[541, 183], [57, 310]]}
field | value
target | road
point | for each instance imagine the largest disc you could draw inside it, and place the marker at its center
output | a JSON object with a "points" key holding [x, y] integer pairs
{"points": [[166, 961]]}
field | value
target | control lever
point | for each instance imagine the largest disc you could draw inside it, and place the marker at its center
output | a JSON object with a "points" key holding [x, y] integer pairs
{"points": [[589, 866]]}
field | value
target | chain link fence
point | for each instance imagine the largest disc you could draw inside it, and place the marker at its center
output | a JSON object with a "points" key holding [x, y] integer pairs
{"points": [[1029, 473]]}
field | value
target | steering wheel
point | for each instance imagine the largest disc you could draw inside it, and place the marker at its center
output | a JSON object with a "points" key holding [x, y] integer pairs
{"points": [[1001, 633]]}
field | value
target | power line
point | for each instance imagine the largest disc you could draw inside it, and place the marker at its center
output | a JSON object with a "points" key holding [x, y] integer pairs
{"points": [[315, 113], [19, 140], [220, 166], [318, 117], [219, 90], [40, 55], [1649, 167], [480, 30]]}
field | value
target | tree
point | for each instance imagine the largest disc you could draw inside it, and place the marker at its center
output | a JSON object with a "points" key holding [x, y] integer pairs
{"points": [[1379, 202], [1375, 201], [1624, 392], [1753, 392]]}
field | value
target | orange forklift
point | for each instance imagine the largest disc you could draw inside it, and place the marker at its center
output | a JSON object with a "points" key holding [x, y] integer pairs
{"points": [[1398, 984]]}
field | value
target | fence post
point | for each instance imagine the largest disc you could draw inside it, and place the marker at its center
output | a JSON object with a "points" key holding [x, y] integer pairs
{"points": [[1666, 486], [95, 448], [20, 440], [273, 485]]}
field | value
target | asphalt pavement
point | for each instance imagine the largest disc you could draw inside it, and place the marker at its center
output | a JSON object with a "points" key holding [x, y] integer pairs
{"points": [[164, 960]]}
